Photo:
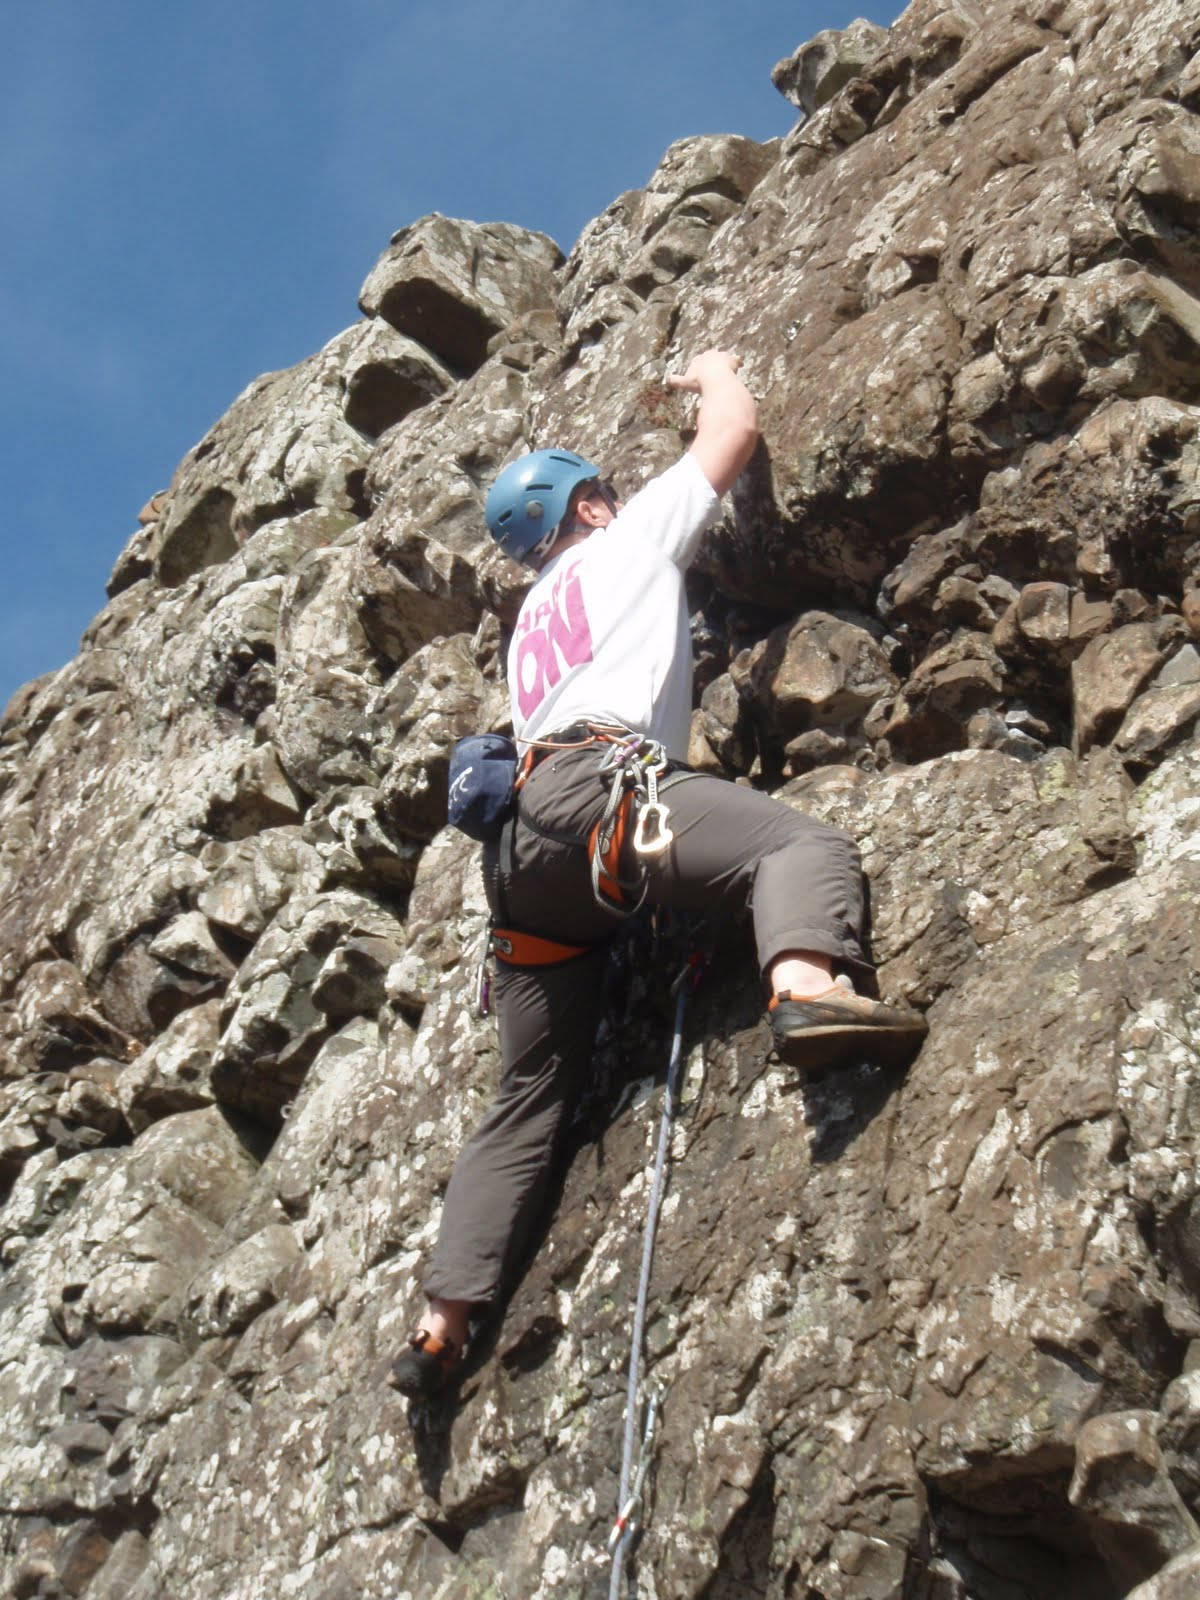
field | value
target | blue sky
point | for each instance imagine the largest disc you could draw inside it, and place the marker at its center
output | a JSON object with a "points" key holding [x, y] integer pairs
{"points": [[194, 194]]}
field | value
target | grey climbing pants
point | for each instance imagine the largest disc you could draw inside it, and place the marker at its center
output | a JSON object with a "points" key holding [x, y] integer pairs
{"points": [[734, 847]]}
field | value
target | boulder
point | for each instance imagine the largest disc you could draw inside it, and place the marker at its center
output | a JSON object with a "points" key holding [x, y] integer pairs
{"points": [[187, 942], [248, 882], [1178, 1435], [438, 697], [814, 73], [451, 285], [357, 845], [59, 1018], [143, 1231], [327, 672], [1111, 671], [242, 1283], [286, 445], [389, 377], [128, 1562], [823, 671], [934, 708], [91, 1100], [1155, 721], [272, 1026], [173, 1073], [1176, 1581], [425, 565], [723, 727], [648, 239], [1121, 1484]]}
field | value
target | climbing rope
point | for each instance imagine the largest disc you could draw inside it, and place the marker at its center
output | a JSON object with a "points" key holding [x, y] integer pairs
{"points": [[629, 1494]]}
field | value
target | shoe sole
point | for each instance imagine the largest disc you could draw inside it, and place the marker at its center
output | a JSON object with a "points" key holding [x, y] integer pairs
{"points": [[418, 1385], [826, 1046], [411, 1391]]}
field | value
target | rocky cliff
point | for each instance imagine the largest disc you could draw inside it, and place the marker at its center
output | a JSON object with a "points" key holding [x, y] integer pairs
{"points": [[932, 1334]]}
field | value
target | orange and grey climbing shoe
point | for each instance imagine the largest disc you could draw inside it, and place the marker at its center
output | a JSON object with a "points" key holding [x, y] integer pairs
{"points": [[839, 1025], [427, 1367]]}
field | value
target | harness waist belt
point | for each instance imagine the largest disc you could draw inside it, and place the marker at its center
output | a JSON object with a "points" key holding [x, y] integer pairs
{"points": [[575, 736], [519, 949]]}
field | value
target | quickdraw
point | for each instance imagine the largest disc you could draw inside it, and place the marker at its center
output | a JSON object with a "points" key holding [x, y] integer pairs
{"points": [[627, 1522], [636, 764], [652, 835]]}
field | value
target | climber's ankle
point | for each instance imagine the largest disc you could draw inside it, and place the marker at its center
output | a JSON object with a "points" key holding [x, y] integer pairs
{"points": [[803, 973]]}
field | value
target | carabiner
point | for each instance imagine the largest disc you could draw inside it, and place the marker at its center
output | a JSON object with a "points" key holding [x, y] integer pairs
{"points": [[652, 835], [483, 980]]}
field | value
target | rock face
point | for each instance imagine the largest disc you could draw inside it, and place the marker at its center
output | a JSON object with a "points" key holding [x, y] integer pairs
{"points": [[932, 1334]]}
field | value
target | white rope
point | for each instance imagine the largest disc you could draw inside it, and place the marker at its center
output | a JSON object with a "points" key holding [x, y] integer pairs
{"points": [[627, 1503]]}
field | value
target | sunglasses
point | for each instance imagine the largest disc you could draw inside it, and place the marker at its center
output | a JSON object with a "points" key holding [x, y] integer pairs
{"points": [[603, 489]]}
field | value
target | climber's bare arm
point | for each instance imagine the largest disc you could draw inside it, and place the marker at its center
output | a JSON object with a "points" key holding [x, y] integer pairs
{"points": [[727, 425]]}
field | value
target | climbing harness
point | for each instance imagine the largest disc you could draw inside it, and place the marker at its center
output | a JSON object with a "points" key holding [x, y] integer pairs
{"points": [[636, 764], [632, 1481], [517, 949]]}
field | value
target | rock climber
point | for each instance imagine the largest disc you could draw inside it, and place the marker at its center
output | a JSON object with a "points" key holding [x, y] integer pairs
{"points": [[600, 674]]}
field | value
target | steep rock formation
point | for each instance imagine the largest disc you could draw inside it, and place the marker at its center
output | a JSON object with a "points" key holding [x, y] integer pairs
{"points": [[930, 1334]]}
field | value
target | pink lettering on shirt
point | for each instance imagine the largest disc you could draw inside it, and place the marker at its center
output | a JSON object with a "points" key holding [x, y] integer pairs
{"points": [[557, 631]]}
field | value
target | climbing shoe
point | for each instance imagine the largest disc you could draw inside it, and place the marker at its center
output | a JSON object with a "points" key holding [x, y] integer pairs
{"points": [[427, 1367], [839, 1025]]}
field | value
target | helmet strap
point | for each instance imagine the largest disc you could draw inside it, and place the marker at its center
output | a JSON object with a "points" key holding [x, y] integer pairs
{"points": [[537, 553]]}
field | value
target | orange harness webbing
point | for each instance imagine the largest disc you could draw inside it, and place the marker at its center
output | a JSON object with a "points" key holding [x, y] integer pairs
{"points": [[608, 879], [517, 949]]}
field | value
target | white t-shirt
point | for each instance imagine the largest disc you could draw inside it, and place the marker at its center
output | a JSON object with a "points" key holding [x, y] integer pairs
{"points": [[603, 634]]}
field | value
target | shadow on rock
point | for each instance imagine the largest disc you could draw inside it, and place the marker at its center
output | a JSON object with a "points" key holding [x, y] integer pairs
{"points": [[840, 1104]]}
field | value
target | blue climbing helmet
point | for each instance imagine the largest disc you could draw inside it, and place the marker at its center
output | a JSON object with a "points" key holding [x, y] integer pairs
{"points": [[530, 498]]}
